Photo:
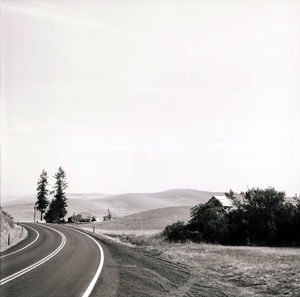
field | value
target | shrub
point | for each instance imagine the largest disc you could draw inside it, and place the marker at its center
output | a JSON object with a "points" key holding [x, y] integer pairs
{"points": [[210, 221], [176, 232]]}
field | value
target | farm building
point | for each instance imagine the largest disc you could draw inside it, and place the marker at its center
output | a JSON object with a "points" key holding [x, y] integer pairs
{"points": [[75, 218], [108, 217], [221, 201], [81, 217]]}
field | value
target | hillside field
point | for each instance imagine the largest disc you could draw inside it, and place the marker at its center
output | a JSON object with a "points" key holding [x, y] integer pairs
{"points": [[145, 222]]}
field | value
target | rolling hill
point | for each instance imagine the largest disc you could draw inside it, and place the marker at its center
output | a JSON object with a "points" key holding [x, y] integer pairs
{"points": [[119, 205], [126, 204]]}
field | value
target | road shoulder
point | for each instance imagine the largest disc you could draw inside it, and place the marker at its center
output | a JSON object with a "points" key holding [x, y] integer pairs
{"points": [[136, 272]]}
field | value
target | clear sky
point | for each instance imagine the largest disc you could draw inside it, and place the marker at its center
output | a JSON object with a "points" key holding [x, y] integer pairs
{"points": [[131, 96]]}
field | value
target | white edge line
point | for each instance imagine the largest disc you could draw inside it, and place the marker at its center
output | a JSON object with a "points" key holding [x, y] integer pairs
{"points": [[38, 263], [89, 289], [38, 235]]}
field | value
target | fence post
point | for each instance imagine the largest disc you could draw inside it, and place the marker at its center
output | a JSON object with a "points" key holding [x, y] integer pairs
{"points": [[8, 240], [93, 229]]}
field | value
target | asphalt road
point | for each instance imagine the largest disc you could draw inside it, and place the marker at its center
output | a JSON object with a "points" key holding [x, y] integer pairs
{"points": [[75, 261], [63, 263]]}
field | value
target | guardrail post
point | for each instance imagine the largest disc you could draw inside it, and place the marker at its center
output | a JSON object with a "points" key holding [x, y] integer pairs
{"points": [[8, 240], [93, 229]]}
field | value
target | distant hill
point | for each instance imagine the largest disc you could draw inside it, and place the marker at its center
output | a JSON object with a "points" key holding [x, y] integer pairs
{"points": [[17, 199], [31, 198], [119, 205], [125, 204], [21, 208], [155, 219]]}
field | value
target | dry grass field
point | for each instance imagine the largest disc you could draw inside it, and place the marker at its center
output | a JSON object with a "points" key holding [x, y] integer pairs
{"points": [[238, 271], [218, 270]]}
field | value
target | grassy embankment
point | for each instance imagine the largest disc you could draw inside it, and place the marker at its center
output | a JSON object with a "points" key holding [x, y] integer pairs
{"points": [[8, 226]]}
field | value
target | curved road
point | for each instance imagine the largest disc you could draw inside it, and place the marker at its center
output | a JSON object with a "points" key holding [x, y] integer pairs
{"points": [[67, 263], [52, 261]]}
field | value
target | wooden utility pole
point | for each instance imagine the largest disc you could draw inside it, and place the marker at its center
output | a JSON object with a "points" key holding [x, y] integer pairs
{"points": [[34, 210]]}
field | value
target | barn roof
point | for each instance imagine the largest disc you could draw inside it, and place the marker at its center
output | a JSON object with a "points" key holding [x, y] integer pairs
{"points": [[224, 201]]}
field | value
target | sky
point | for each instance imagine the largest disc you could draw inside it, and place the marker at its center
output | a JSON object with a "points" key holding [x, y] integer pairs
{"points": [[144, 96]]}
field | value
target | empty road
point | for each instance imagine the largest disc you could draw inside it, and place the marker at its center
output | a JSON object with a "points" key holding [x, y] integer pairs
{"points": [[57, 261]]}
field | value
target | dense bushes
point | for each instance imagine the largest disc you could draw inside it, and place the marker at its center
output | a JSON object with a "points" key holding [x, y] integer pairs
{"points": [[211, 221], [176, 231], [258, 217]]}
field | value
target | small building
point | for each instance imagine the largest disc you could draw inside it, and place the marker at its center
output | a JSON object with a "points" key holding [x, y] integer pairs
{"points": [[221, 201], [75, 218], [81, 218], [108, 217]]}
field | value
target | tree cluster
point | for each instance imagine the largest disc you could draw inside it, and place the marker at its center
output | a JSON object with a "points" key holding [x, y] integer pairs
{"points": [[258, 217], [57, 207]]}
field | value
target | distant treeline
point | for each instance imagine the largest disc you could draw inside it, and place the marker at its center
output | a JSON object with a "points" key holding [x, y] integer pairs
{"points": [[258, 217]]}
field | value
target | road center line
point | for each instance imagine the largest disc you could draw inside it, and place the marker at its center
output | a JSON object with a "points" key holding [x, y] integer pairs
{"points": [[38, 263], [89, 289], [37, 236]]}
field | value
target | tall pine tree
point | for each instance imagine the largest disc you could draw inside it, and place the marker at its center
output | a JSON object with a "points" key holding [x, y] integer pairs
{"points": [[42, 193], [51, 215], [57, 209], [60, 195]]}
